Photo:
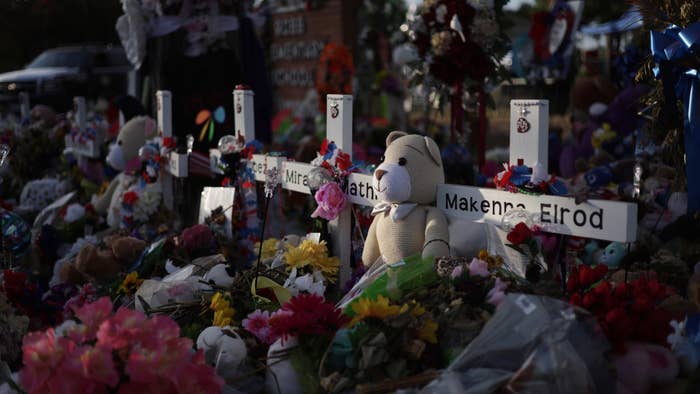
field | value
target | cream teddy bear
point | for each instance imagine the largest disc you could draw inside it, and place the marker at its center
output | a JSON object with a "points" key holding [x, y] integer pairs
{"points": [[124, 156], [405, 221]]}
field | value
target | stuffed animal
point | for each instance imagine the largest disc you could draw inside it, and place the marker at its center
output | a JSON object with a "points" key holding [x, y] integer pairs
{"points": [[124, 156], [405, 222], [93, 264], [223, 349], [612, 255]]}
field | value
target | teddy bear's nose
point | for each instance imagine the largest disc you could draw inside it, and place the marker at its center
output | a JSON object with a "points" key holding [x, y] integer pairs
{"points": [[379, 174]]}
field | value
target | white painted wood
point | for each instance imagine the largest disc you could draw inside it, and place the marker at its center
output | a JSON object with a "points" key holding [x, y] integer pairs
{"points": [[164, 117], [244, 113], [339, 130], [598, 219], [295, 176], [529, 145], [164, 109]]}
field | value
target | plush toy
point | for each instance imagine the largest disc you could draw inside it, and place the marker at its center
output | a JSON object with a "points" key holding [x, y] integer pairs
{"points": [[223, 349], [612, 255], [124, 156], [643, 366], [405, 222], [93, 264]]}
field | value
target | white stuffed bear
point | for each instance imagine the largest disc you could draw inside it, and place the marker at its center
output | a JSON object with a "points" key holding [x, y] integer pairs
{"points": [[124, 156], [405, 221], [223, 349]]}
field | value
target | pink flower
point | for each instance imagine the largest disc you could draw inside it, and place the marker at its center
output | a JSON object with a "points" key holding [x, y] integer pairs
{"points": [[198, 377], [479, 268], [42, 353], [93, 364], [457, 272], [92, 315], [258, 324], [124, 327], [496, 295], [331, 201]]}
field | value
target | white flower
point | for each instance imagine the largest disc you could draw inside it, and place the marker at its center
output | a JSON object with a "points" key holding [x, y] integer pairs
{"points": [[148, 202], [309, 283]]}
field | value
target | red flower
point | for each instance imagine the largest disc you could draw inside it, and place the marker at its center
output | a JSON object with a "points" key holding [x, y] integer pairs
{"points": [[324, 147], [599, 272], [90, 209], [306, 314], [130, 197], [519, 234], [586, 277], [572, 281], [226, 182], [343, 161], [169, 142]]}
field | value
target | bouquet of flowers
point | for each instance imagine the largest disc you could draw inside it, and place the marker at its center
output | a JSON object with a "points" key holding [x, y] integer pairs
{"points": [[625, 311], [384, 340], [116, 352], [328, 180]]}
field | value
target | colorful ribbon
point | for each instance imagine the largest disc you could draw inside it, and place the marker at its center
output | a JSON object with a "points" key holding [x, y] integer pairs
{"points": [[670, 48]]}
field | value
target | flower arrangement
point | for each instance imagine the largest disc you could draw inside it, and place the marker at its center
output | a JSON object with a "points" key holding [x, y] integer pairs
{"points": [[522, 239], [328, 180], [223, 312], [625, 311], [305, 325], [120, 352], [383, 340]]}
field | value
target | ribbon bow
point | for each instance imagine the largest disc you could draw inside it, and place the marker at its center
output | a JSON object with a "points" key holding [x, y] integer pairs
{"points": [[397, 211], [671, 48]]}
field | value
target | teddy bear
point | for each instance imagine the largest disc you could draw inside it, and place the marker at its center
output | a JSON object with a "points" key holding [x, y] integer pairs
{"points": [[100, 265], [405, 221], [124, 157]]}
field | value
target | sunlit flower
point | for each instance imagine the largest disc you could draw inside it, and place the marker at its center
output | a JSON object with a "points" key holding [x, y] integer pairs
{"points": [[269, 248], [366, 308]]}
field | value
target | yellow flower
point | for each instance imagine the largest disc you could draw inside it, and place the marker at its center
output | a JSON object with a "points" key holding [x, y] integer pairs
{"points": [[269, 248], [428, 331], [314, 255], [131, 283], [223, 312], [366, 308], [223, 317], [492, 261]]}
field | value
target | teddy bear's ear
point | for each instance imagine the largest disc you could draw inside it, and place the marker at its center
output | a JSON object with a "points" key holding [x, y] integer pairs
{"points": [[393, 136], [150, 128], [434, 150]]}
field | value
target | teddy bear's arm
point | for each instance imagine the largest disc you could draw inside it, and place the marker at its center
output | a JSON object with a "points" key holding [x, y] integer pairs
{"points": [[370, 252], [102, 202], [437, 236]]}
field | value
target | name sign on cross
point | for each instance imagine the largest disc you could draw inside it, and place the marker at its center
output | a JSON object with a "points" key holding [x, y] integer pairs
{"points": [[599, 219]]}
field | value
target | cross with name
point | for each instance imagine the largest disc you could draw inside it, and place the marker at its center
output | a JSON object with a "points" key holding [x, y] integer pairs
{"points": [[598, 219]]}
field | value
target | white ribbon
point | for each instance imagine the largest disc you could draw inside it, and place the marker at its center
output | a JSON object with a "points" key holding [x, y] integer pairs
{"points": [[397, 211]]}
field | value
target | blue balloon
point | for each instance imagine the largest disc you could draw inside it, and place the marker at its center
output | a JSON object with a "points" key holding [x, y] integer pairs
{"points": [[16, 234]]}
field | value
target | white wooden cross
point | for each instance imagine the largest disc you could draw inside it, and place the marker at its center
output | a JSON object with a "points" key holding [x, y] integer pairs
{"points": [[599, 219], [88, 148]]}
